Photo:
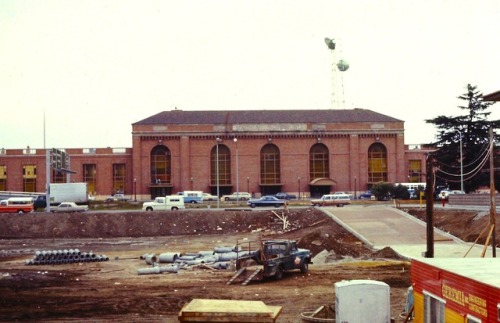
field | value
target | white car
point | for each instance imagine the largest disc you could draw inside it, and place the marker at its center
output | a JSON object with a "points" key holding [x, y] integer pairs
{"points": [[208, 197], [242, 196], [69, 207]]}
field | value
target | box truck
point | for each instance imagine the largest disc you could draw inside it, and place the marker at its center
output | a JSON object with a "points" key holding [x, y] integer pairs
{"points": [[64, 192]]}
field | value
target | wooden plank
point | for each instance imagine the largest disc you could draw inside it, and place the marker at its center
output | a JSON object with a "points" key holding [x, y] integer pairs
{"points": [[215, 310]]}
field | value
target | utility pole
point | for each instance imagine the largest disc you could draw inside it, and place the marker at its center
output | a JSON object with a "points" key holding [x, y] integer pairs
{"points": [[429, 198]]}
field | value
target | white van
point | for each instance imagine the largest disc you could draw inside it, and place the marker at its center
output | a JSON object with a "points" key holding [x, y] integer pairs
{"points": [[169, 202]]}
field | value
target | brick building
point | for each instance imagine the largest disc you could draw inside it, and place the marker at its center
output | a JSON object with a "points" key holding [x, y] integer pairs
{"points": [[306, 152]]}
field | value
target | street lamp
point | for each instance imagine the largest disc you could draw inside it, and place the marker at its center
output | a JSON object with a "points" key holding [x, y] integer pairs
{"points": [[298, 179], [135, 189], [217, 172], [248, 184], [461, 164], [191, 180], [355, 192], [237, 183]]}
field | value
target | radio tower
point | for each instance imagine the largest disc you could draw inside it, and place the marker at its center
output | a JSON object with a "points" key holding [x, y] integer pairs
{"points": [[338, 67]]}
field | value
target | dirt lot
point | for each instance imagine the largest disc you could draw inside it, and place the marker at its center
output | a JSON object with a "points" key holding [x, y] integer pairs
{"points": [[113, 291]]}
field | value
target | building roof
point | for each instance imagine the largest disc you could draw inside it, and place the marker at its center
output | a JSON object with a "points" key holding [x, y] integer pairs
{"points": [[265, 116], [484, 270], [495, 96]]}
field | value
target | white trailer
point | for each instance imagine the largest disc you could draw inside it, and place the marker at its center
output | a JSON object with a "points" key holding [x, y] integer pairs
{"points": [[68, 192]]}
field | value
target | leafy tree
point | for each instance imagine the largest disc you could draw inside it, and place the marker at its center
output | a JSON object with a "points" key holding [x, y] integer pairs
{"points": [[382, 190], [400, 192], [473, 128]]}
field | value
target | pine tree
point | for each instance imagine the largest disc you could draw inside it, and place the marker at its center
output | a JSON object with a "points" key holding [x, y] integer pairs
{"points": [[473, 128]]}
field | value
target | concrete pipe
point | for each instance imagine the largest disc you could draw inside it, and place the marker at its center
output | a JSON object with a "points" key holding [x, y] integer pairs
{"points": [[151, 259], [223, 249], [220, 265], [205, 253], [209, 259], [228, 256], [185, 258], [157, 270], [168, 257]]}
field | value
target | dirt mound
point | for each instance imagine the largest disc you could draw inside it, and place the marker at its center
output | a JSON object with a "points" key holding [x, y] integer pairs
{"points": [[387, 253], [463, 224]]}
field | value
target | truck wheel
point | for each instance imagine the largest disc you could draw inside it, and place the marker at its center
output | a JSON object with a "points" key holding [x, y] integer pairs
{"points": [[226, 199], [149, 209], [193, 202], [277, 205], [252, 205], [174, 208], [279, 273], [20, 211], [304, 268], [340, 205]]}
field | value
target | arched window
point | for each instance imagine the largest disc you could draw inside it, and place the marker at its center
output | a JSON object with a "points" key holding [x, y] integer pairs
{"points": [[161, 165], [319, 162], [377, 163], [270, 165], [224, 158]]}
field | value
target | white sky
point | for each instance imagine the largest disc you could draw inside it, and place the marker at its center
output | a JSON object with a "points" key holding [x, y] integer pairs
{"points": [[95, 67]]}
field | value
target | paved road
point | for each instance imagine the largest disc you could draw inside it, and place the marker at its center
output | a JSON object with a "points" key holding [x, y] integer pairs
{"points": [[381, 225]]}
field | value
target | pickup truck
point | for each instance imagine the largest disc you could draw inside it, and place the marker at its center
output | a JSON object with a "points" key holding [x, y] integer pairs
{"points": [[162, 203], [17, 205], [273, 259]]}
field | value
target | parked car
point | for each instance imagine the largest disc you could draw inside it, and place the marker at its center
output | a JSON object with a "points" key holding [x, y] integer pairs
{"points": [[332, 200], [208, 197], [285, 196], [242, 196], [117, 197], [69, 207], [267, 200], [368, 195]]}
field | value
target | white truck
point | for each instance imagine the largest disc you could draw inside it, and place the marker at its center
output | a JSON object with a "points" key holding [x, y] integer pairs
{"points": [[64, 192], [169, 202]]}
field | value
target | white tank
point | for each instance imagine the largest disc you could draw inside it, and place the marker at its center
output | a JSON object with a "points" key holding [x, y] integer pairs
{"points": [[361, 301]]}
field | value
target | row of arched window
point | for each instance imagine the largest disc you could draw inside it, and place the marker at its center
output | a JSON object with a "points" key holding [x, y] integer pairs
{"points": [[270, 164]]}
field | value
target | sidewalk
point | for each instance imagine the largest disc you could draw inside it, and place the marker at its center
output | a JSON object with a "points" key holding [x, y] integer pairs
{"points": [[381, 225]]}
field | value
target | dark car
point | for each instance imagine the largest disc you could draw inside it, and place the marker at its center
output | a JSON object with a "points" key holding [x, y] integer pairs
{"points": [[267, 200], [366, 195], [285, 196]]}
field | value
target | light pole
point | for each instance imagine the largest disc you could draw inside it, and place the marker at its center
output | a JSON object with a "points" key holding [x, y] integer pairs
{"points": [[237, 182], [217, 171], [135, 189], [461, 164], [298, 179], [191, 180], [248, 184], [355, 192]]}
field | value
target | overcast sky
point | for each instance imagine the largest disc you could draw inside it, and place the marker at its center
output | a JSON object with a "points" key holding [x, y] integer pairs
{"points": [[93, 68]]}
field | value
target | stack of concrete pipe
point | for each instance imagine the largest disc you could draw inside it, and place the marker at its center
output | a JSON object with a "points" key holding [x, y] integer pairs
{"points": [[58, 257], [219, 258]]}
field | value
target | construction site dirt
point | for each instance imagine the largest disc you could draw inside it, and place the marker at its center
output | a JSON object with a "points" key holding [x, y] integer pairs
{"points": [[112, 290]]}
